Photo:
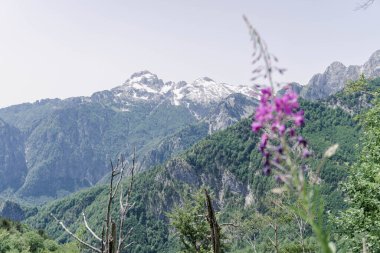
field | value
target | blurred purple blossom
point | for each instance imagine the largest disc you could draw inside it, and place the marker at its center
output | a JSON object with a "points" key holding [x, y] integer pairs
{"points": [[278, 117]]}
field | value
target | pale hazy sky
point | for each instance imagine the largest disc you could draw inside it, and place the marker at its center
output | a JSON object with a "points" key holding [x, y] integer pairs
{"points": [[63, 48]]}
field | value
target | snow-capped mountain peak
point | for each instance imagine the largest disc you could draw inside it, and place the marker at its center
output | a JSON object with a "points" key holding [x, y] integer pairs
{"points": [[205, 90], [145, 80], [145, 85]]}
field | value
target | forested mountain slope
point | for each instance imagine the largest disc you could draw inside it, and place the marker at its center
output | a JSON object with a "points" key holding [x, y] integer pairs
{"points": [[227, 162], [63, 146], [54, 147]]}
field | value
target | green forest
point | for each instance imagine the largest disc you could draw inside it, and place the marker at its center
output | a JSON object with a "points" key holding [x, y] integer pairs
{"points": [[169, 211]]}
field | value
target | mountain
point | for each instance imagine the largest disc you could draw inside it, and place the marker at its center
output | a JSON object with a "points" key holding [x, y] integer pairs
{"points": [[13, 163], [356, 102], [60, 146], [146, 86], [54, 147], [227, 162], [337, 75]]}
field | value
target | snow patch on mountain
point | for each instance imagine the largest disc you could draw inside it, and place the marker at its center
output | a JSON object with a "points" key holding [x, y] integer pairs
{"points": [[145, 85]]}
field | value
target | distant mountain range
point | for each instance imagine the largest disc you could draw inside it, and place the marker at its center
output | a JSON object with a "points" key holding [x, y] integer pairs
{"points": [[337, 75], [53, 147]]}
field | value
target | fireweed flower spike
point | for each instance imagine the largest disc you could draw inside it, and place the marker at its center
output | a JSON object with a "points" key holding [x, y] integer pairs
{"points": [[279, 117], [283, 149], [285, 152]]}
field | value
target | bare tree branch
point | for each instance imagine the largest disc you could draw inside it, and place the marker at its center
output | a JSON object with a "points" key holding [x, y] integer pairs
{"points": [[110, 241], [108, 214], [364, 5], [89, 229], [73, 235], [124, 208], [121, 172]]}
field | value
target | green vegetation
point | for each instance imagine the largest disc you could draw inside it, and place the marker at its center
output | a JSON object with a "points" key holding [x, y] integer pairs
{"points": [[359, 224], [69, 143], [18, 238], [189, 221], [357, 97], [228, 163]]}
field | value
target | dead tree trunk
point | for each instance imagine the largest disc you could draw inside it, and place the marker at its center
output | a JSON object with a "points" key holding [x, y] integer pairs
{"points": [[110, 241], [214, 227]]}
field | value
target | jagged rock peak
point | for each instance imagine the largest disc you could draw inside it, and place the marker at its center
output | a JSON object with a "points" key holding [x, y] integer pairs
{"points": [[145, 77], [375, 55], [204, 81], [371, 68], [295, 87], [142, 74], [335, 66], [207, 79], [337, 75], [145, 85]]}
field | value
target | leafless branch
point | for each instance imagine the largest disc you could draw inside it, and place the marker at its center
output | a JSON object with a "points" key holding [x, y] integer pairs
{"points": [[122, 166], [110, 241], [275, 242], [124, 208], [89, 229], [364, 5], [270, 239], [261, 54], [73, 235]]}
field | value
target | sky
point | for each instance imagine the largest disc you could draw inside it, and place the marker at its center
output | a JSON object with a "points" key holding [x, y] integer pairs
{"points": [[66, 48]]}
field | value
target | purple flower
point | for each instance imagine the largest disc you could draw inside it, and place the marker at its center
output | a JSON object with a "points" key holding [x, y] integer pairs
{"points": [[281, 129], [263, 143], [267, 170], [266, 93], [279, 178], [276, 114], [256, 126], [280, 149], [306, 153], [287, 103], [264, 113], [292, 132], [298, 118], [302, 141]]}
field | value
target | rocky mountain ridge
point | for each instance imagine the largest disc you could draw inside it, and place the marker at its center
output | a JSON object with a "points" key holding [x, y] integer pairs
{"points": [[60, 146], [337, 75], [146, 85], [66, 145]]}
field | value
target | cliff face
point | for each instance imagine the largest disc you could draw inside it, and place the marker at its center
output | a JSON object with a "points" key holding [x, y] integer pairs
{"points": [[337, 75], [13, 168]]}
